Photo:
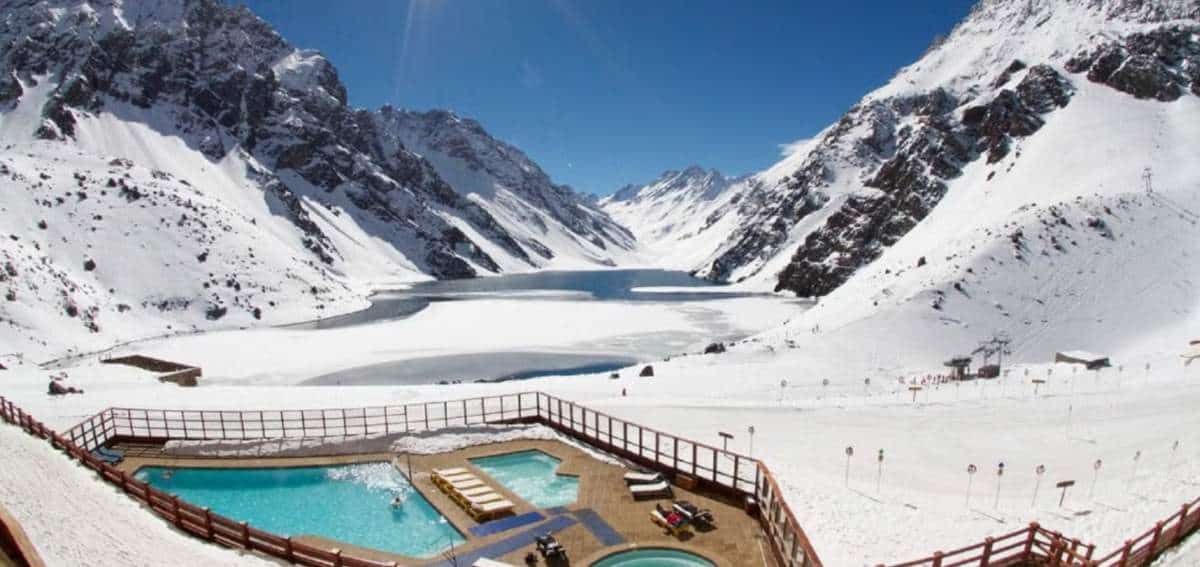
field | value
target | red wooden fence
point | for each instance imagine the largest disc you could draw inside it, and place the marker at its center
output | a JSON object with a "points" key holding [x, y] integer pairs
{"points": [[715, 469]]}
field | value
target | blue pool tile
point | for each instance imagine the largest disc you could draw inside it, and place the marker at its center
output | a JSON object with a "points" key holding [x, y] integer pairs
{"points": [[599, 528], [497, 526]]}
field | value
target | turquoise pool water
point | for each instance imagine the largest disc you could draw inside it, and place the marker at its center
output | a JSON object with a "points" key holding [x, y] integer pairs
{"points": [[530, 475], [653, 557], [350, 503]]}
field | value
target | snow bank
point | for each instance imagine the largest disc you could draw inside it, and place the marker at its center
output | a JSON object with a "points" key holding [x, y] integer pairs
{"points": [[286, 447], [455, 438], [74, 518]]}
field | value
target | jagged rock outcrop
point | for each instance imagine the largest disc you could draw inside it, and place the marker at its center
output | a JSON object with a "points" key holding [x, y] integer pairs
{"points": [[1161, 64]]}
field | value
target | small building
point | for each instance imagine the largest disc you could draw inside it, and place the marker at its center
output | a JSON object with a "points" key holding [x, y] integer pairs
{"points": [[1090, 360], [959, 364]]}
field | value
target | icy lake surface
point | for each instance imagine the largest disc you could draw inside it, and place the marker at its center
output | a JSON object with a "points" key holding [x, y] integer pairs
{"points": [[626, 286], [604, 285]]}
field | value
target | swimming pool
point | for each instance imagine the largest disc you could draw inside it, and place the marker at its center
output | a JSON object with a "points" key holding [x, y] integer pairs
{"points": [[349, 503], [531, 475], [653, 557]]}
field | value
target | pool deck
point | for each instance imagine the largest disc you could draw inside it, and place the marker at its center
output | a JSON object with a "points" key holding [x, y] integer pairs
{"points": [[604, 518]]}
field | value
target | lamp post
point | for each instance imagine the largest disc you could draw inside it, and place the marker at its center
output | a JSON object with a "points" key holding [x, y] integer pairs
{"points": [[725, 437], [782, 385], [849, 453], [999, 475], [750, 430], [971, 470], [1039, 471], [879, 475]]}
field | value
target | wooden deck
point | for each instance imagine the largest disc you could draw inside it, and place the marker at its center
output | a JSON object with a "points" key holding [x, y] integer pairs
{"points": [[737, 539]]}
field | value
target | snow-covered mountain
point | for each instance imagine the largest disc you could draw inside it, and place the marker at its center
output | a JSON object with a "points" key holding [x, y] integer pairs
{"points": [[957, 122], [175, 164], [679, 218]]}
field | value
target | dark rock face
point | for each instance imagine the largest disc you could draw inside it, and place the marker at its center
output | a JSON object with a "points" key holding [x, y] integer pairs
{"points": [[1162, 64], [714, 348], [647, 371], [922, 155]]}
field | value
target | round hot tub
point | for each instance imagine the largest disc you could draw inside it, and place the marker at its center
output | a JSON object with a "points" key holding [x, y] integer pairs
{"points": [[653, 557]]}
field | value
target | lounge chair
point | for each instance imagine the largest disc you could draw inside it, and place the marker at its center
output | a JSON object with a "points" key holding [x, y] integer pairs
{"points": [[635, 477], [476, 491], [463, 485], [657, 490], [450, 472], [111, 453], [450, 480], [107, 456], [481, 512], [481, 498]]}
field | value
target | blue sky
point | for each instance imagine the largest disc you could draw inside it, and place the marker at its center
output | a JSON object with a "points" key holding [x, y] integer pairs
{"points": [[607, 92]]}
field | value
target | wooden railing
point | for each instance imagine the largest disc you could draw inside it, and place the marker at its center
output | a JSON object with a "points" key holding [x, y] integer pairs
{"points": [[1035, 545], [200, 522], [715, 469], [683, 459], [711, 468]]}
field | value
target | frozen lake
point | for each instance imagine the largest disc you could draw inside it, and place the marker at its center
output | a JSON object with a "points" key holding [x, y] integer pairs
{"points": [[605, 285], [604, 354]]}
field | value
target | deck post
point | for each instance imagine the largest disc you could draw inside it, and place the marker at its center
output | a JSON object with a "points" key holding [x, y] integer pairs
{"points": [[337, 557], [937, 559], [986, 558], [245, 534], [1125, 551], [208, 526], [1158, 527], [175, 515], [1183, 513], [1027, 554], [288, 552]]}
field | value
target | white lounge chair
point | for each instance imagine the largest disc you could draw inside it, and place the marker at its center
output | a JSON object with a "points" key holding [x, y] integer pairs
{"points": [[455, 478], [487, 510], [450, 472], [465, 484], [657, 490], [635, 477], [476, 491], [483, 498]]}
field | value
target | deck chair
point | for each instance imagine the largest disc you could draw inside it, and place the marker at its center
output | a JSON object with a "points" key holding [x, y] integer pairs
{"points": [[657, 490], [476, 491], [450, 472], [486, 511], [635, 477], [463, 484], [106, 457], [113, 454], [453, 478], [480, 498]]}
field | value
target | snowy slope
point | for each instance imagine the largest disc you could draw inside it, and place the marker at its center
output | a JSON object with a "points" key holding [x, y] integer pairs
{"points": [[808, 223], [61, 519], [266, 197]]}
